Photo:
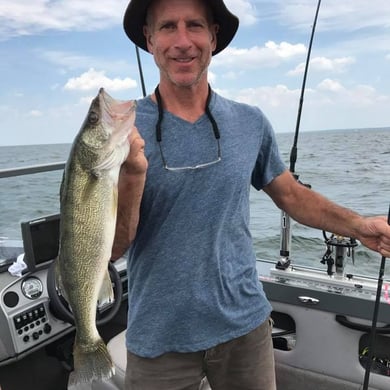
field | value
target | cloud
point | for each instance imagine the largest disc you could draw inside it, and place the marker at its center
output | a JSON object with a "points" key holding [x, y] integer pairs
{"points": [[327, 93], [86, 100], [35, 113], [272, 54], [338, 106], [69, 60], [365, 96], [336, 15], [277, 96], [334, 93], [337, 65], [212, 77], [93, 80], [20, 17], [330, 85], [244, 10], [285, 49], [80, 15]]}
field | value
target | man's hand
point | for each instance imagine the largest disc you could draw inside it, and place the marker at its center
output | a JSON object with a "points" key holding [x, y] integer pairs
{"points": [[375, 234], [131, 184], [136, 162]]}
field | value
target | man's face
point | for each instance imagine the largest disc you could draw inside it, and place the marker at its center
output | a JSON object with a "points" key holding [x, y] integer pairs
{"points": [[181, 36]]}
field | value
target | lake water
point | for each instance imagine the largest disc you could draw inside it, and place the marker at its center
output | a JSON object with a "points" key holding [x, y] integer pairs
{"points": [[350, 167]]}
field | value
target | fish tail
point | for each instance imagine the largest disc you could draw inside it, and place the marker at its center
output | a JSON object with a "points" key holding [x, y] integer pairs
{"points": [[93, 364]]}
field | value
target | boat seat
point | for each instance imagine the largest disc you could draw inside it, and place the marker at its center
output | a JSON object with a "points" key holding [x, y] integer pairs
{"points": [[117, 348]]}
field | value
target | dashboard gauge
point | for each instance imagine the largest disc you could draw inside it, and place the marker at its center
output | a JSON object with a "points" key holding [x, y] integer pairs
{"points": [[32, 288]]}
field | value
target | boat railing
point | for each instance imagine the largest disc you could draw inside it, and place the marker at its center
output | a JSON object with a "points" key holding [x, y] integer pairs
{"points": [[28, 170]]}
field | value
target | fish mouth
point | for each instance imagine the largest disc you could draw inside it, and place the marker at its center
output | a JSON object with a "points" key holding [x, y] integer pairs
{"points": [[114, 123], [117, 115], [116, 120], [119, 110]]}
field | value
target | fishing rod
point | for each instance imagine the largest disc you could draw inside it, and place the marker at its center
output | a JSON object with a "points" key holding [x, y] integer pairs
{"points": [[285, 235], [141, 74], [294, 150], [371, 343]]}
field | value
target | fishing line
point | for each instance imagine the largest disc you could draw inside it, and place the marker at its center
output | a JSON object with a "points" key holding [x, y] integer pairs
{"points": [[375, 318]]}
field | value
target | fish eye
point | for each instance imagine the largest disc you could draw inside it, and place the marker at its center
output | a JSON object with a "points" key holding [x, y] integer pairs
{"points": [[93, 117]]}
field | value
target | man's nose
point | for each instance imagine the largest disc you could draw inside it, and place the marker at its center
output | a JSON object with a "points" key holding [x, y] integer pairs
{"points": [[183, 39]]}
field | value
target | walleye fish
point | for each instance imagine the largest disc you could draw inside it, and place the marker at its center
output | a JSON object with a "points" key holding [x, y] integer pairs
{"points": [[88, 205]]}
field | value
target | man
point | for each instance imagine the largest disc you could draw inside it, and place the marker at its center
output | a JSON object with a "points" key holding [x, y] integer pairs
{"points": [[196, 307]]}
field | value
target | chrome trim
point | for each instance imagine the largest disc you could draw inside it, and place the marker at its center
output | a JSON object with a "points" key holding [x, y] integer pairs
{"points": [[309, 300], [28, 170]]}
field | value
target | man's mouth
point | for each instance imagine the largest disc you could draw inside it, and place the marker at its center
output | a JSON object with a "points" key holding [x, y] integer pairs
{"points": [[184, 60]]}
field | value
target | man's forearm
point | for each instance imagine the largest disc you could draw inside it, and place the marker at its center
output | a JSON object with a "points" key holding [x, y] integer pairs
{"points": [[311, 208], [319, 212], [130, 190]]}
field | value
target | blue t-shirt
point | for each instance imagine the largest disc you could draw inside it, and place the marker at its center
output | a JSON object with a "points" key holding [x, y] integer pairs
{"points": [[192, 274]]}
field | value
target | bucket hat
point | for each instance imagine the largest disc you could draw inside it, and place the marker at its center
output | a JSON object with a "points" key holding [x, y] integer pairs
{"points": [[135, 15]]}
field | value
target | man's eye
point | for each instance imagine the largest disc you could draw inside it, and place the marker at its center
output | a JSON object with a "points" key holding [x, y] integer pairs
{"points": [[195, 26], [168, 26]]}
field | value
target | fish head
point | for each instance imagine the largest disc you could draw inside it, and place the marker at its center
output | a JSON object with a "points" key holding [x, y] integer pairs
{"points": [[103, 138]]}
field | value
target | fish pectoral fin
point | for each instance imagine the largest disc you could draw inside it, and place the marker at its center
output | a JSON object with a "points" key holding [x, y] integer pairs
{"points": [[114, 159], [106, 294]]}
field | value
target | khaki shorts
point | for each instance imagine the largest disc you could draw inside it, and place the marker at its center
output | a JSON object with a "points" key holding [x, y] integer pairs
{"points": [[245, 363]]}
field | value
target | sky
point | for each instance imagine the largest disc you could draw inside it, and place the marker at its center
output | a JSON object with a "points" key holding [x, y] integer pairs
{"points": [[56, 54]]}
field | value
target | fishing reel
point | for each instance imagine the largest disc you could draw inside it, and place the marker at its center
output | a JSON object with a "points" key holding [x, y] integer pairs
{"points": [[343, 247]]}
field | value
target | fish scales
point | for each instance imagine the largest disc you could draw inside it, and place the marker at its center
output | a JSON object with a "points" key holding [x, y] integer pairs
{"points": [[88, 204]]}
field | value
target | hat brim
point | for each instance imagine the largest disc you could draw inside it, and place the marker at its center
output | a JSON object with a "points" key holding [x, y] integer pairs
{"points": [[135, 15]]}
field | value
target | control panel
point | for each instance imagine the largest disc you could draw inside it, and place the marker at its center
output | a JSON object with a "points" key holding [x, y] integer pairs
{"points": [[32, 324], [26, 322]]}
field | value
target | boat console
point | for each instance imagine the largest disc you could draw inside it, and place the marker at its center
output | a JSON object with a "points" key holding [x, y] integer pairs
{"points": [[27, 320]]}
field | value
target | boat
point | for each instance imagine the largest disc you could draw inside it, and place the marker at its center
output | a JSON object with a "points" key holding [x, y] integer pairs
{"points": [[331, 328], [322, 317]]}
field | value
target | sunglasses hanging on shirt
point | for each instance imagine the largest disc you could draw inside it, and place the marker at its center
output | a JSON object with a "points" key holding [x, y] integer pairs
{"points": [[159, 135]]}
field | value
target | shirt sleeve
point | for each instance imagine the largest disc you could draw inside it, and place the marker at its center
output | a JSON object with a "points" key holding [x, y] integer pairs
{"points": [[269, 163]]}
